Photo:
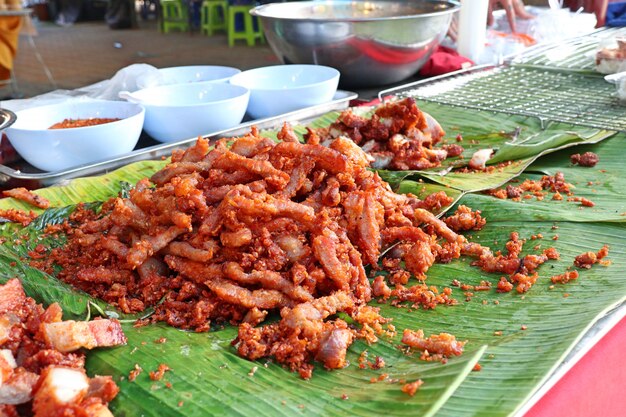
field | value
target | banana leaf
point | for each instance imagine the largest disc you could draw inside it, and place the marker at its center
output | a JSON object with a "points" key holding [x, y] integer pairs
{"points": [[208, 378], [90, 189], [603, 184]]}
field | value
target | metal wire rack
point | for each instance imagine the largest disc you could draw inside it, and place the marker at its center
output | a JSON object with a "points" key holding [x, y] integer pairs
{"points": [[574, 54], [567, 97]]}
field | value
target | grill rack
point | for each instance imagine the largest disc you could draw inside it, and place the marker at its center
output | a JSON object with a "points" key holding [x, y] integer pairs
{"points": [[574, 54], [568, 97]]}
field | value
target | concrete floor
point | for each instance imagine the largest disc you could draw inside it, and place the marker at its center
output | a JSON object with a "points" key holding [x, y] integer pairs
{"points": [[88, 52]]}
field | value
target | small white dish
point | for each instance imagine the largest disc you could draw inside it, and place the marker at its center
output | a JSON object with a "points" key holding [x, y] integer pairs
{"points": [[279, 89], [187, 74], [184, 111], [60, 149]]}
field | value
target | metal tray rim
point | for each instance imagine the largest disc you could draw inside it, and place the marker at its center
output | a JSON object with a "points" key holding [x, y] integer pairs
{"points": [[341, 101]]}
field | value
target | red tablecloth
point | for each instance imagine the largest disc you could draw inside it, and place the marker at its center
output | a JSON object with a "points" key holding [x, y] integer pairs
{"points": [[595, 386]]}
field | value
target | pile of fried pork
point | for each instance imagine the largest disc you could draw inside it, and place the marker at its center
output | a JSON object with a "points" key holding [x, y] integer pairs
{"points": [[254, 227]]}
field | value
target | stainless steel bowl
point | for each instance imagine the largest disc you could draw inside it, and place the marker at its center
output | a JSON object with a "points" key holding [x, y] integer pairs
{"points": [[369, 42]]}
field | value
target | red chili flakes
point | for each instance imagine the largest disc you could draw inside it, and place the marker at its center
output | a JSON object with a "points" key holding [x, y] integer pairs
{"points": [[477, 367], [557, 196], [565, 277], [523, 327], [412, 387], [160, 340], [497, 333], [134, 373], [73, 123], [555, 237], [344, 397], [158, 374], [459, 138]]}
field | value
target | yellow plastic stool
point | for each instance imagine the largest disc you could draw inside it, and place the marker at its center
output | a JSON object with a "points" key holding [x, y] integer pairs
{"points": [[175, 15], [213, 15], [249, 33]]}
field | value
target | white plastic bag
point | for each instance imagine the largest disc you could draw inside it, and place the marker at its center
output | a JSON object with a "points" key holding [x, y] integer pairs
{"points": [[125, 79]]}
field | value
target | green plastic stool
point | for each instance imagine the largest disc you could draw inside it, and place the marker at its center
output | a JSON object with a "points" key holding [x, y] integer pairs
{"points": [[174, 15], [249, 33], [213, 16]]}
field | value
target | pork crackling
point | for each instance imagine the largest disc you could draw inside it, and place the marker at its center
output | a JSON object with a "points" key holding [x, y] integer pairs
{"points": [[42, 366], [250, 227]]}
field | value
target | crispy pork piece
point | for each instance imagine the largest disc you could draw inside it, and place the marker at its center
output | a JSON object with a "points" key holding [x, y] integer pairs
{"points": [[68, 336], [27, 196], [480, 158], [12, 296], [465, 219], [587, 159], [588, 259], [443, 344], [67, 391], [18, 387], [38, 379]]}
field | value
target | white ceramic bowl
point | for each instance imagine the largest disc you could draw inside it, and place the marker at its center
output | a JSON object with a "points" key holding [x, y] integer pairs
{"points": [[280, 89], [61, 149], [184, 111], [187, 74]]}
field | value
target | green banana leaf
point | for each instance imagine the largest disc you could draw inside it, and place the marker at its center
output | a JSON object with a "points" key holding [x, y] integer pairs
{"points": [[603, 184], [90, 189], [208, 378]]}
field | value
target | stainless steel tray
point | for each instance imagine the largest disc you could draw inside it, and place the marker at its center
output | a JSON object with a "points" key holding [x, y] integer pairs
{"points": [[11, 176]]}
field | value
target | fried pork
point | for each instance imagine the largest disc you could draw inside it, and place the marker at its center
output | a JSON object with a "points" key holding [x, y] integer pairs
{"points": [[42, 371]]}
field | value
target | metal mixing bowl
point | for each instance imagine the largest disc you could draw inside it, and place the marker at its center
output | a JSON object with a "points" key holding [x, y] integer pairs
{"points": [[369, 42]]}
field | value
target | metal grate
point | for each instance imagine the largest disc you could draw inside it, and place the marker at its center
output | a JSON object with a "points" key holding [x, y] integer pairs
{"points": [[575, 54], [549, 95]]}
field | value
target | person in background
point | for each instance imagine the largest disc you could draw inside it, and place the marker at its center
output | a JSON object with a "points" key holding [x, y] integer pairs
{"points": [[516, 9], [597, 7]]}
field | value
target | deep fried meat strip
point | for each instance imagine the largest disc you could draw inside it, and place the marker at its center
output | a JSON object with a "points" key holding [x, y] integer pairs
{"points": [[444, 343], [27, 196]]}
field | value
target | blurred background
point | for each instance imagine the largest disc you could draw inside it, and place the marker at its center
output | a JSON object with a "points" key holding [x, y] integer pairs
{"points": [[67, 44]]}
